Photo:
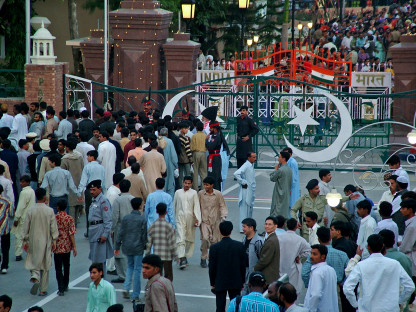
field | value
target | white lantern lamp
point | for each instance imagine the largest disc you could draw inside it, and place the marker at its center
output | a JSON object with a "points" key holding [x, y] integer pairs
{"points": [[411, 137]]}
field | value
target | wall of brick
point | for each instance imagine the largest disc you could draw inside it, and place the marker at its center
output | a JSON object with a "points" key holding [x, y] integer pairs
{"points": [[11, 102], [45, 83]]}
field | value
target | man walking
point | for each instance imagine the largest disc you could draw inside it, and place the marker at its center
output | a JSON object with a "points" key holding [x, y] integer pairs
{"points": [[199, 155], [294, 189], [59, 182], [213, 143], [161, 237], [6, 213], [107, 157], [408, 209], [121, 207], [187, 218], [293, 248], [185, 156], [246, 178], [74, 163], [246, 129], [252, 246], [159, 196], [226, 267], [132, 239], [171, 160], [100, 222], [64, 127], [64, 245], [160, 295], [282, 176], [384, 284], [323, 280], [367, 226], [213, 212], [325, 188], [153, 165], [27, 200], [269, 260], [101, 294], [39, 241]]}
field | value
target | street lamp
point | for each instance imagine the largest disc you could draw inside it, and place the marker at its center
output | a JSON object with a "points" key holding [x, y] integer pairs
{"points": [[310, 25], [255, 40], [411, 137], [188, 12], [300, 27], [243, 5], [333, 198]]}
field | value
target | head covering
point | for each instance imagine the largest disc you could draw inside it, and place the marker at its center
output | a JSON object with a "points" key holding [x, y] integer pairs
{"points": [[31, 135], [210, 113], [95, 183], [44, 145], [214, 124], [311, 184], [402, 179], [256, 276], [107, 114]]}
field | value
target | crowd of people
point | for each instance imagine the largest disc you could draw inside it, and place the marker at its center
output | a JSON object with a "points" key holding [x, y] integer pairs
{"points": [[145, 183]]}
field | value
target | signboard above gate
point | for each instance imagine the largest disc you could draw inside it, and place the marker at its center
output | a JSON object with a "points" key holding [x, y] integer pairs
{"points": [[208, 75], [371, 79]]}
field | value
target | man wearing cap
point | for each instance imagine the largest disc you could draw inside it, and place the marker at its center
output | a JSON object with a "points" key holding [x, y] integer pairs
{"points": [[107, 125], [30, 137], [402, 186], [309, 202], [397, 169], [246, 129], [208, 114], [254, 301], [37, 125], [213, 144], [64, 127], [100, 220]]}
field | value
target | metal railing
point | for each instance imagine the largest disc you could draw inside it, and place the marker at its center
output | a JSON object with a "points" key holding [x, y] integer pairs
{"points": [[12, 83]]}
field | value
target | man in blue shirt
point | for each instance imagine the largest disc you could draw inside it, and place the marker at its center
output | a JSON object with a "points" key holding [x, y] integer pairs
{"points": [[101, 294], [254, 301], [159, 196]]}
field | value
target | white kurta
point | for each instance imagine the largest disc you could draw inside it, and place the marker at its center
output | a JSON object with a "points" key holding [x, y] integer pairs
{"points": [[246, 175], [324, 189], [107, 158], [291, 246], [367, 227], [187, 211], [19, 128], [84, 148]]}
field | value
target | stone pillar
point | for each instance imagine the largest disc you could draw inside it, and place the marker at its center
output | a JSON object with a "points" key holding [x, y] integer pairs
{"points": [[92, 50], [404, 62], [139, 28], [45, 83], [181, 55]]}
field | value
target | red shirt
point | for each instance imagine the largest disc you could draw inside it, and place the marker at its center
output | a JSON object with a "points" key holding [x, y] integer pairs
{"points": [[66, 228], [127, 148]]}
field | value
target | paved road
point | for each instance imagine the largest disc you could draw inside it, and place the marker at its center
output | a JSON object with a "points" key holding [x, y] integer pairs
{"points": [[191, 285]]}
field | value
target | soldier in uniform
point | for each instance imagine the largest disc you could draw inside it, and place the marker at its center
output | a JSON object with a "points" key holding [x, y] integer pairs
{"points": [[246, 129], [100, 222], [309, 202], [213, 144]]}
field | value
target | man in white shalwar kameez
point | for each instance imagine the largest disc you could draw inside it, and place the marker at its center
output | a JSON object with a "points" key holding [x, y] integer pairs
{"points": [[246, 177], [292, 249], [325, 188], [107, 157], [187, 218], [295, 188]]}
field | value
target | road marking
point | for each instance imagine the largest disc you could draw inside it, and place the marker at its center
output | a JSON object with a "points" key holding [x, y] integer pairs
{"points": [[54, 294], [263, 208], [176, 294], [236, 185]]}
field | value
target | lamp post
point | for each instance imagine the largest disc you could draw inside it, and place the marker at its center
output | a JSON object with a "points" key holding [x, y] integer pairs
{"points": [[188, 12], [300, 27], [243, 5], [310, 24], [293, 22], [255, 40]]}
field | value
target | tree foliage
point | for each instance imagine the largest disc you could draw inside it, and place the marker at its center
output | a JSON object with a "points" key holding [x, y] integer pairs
{"points": [[12, 27]]}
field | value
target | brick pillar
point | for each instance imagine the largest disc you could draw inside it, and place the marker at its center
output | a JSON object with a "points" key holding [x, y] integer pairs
{"points": [[404, 62], [139, 28], [45, 83], [181, 54], [92, 50]]}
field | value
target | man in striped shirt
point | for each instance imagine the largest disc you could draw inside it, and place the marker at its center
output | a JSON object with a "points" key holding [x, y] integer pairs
{"points": [[6, 212], [161, 237]]}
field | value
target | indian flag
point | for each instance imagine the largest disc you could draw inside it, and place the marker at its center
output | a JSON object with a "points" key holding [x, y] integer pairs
{"points": [[323, 75], [265, 71]]}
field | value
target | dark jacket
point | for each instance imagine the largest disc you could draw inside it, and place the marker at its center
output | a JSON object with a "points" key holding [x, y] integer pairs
{"points": [[87, 126], [245, 127], [269, 261], [345, 245], [133, 234], [227, 265]]}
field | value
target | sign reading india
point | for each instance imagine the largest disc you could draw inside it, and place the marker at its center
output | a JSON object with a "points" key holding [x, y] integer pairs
{"points": [[207, 75], [371, 79]]}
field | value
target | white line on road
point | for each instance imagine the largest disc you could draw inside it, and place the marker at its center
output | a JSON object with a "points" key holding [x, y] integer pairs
{"points": [[236, 185], [176, 294], [264, 208], [54, 295]]}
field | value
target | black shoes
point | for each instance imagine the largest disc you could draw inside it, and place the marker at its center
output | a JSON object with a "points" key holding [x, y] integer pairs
{"points": [[117, 280], [19, 258], [204, 263], [183, 263]]}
